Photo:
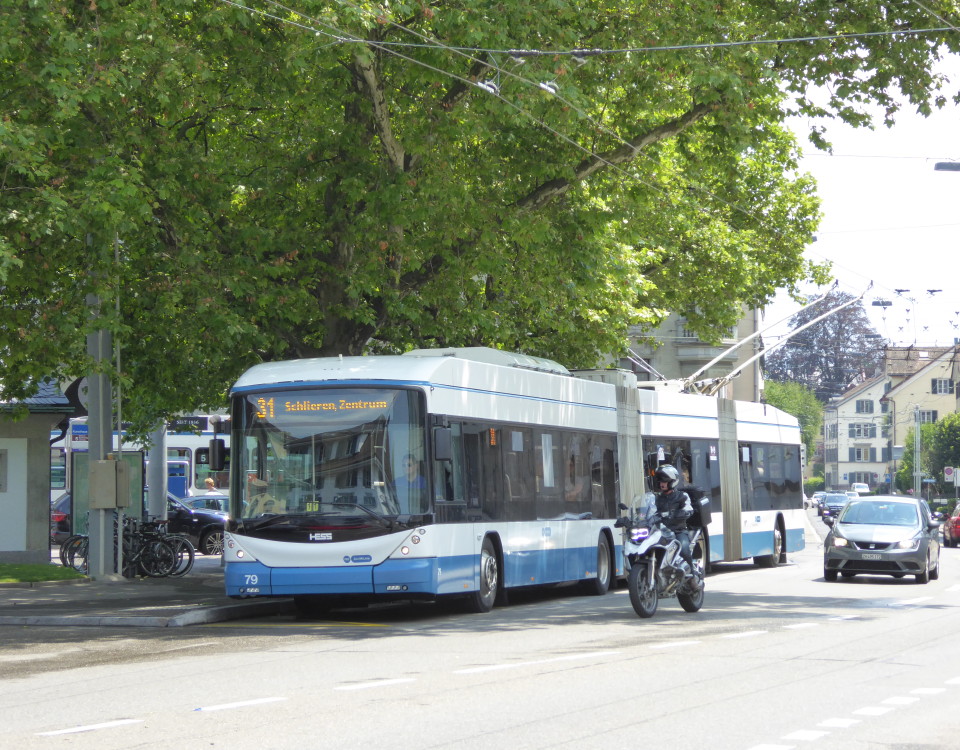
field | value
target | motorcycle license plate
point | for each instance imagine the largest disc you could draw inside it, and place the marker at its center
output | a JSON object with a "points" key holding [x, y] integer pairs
{"points": [[871, 556]]}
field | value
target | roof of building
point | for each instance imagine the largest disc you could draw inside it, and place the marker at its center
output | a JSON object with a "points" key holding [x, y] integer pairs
{"points": [[49, 398], [903, 361]]}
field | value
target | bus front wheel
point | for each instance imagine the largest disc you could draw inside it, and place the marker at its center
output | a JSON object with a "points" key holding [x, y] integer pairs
{"points": [[483, 599]]}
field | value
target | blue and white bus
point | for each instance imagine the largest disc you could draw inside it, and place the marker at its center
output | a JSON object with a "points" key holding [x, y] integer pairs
{"points": [[467, 472]]}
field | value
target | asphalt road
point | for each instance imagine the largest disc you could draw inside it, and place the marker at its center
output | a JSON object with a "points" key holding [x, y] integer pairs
{"points": [[777, 659]]}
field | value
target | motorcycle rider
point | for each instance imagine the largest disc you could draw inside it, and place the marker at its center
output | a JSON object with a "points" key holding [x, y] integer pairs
{"points": [[674, 507]]}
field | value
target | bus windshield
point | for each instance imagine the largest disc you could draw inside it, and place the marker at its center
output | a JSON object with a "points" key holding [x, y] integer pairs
{"points": [[331, 451]]}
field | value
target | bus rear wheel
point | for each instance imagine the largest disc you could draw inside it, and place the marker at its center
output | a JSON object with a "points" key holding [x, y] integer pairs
{"points": [[482, 600], [773, 559], [600, 584]]}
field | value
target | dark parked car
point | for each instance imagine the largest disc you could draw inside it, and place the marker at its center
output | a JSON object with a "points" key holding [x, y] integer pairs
{"points": [[207, 501], [883, 535], [203, 526]]}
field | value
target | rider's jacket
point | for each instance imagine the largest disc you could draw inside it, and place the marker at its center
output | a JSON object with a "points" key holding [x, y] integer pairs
{"points": [[674, 508]]}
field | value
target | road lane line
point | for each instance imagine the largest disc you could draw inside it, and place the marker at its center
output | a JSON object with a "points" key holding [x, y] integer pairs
{"points": [[805, 735], [900, 700], [376, 684], [517, 665], [799, 625], [873, 711], [745, 634], [239, 704], [839, 723], [928, 691], [91, 727]]}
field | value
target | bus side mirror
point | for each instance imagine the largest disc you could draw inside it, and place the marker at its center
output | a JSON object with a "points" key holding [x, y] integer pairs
{"points": [[218, 452], [442, 444]]}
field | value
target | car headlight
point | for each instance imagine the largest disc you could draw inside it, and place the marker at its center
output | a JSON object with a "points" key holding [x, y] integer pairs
{"points": [[909, 544], [839, 541]]}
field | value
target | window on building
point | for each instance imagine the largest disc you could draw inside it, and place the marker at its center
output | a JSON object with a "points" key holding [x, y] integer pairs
{"points": [[864, 406], [832, 431], [941, 386], [928, 416], [862, 455], [862, 430]]}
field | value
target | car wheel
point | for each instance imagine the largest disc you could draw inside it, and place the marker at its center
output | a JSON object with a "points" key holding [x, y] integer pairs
{"points": [[830, 575], [212, 542], [924, 577], [935, 573]]}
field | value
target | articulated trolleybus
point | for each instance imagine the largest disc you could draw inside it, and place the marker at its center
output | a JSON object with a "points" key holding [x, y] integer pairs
{"points": [[467, 472]]}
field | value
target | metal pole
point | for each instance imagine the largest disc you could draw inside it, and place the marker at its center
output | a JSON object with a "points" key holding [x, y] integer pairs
{"points": [[100, 559], [916, 451]]}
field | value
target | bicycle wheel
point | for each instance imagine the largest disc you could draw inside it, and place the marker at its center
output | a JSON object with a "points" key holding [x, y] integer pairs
{"points": [[77, 554], [65, 546], [185, 555], [157, 558]]}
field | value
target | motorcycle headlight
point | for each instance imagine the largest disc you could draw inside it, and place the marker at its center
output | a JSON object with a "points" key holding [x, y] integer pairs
{"points": [[638, 535]]}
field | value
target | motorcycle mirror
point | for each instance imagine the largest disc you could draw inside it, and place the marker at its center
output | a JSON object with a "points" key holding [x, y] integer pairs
{"points": [[621, 506]]}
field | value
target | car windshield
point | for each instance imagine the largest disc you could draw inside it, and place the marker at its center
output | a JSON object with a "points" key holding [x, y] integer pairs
{"points": [[880, 514]]}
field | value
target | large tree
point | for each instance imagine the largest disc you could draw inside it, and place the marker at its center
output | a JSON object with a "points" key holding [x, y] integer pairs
{"points": [[338, 177], [831, 355], [801, 402]]}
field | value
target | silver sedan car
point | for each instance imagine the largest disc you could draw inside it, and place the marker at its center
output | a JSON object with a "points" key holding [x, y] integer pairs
{"points": [[883, 535]]}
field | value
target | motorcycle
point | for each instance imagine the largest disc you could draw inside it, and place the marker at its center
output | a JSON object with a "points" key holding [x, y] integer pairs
{"points": [[652, 554]]}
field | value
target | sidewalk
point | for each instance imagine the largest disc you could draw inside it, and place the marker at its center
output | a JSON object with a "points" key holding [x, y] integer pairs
{"points": [[143, 603]]}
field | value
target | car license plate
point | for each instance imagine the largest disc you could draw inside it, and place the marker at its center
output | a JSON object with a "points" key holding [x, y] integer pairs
{"points": [[871, 556]]}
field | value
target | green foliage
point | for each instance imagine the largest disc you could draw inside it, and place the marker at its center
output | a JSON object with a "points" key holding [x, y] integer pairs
{"points": [[816, 484], [905, 469], [235, 186], [801, 402]]}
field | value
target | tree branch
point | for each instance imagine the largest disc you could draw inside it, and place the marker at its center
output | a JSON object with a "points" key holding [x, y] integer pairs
{"points": [[548, 191], [381, 115]]}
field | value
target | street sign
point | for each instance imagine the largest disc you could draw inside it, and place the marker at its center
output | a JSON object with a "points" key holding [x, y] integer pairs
{"points": [[950, 474]]}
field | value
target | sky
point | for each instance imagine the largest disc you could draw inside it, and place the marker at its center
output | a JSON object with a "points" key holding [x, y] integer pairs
{"points": [[891, 219]]}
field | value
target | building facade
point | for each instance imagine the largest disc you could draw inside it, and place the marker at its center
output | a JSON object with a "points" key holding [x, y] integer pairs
{"points": [[855, 443]]}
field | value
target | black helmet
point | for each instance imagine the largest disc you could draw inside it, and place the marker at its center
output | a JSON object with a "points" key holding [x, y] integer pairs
{"points": [[668, 474]]}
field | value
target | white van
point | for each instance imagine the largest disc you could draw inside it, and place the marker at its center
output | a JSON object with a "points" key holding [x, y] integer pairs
{"points": [[861, 488]]}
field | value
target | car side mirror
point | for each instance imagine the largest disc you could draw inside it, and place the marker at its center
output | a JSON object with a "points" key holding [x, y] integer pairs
{"points": [[828, 521]]}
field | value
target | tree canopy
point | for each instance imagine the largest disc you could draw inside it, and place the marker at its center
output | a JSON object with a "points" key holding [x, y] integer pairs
{"points": [[239, 184], [832, 354], [801, 402]]}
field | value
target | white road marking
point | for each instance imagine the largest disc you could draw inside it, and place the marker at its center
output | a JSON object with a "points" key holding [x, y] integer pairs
{"points": [[517, 665], [928, 691], [900, 700], [239, 704], [873, 711], [839, 723], [955, 587], [91, 727], [844, 617], [376, 684], [672, 644], [772, 747], [746, 634], [799, 625], [953, 681], [805, 735]]}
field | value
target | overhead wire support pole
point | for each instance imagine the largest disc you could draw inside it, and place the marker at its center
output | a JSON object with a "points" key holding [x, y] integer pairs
{"points": [[720, 382], [688, 381]]}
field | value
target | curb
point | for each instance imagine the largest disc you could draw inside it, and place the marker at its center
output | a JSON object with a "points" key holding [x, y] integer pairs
{"points": [[199, 616]]}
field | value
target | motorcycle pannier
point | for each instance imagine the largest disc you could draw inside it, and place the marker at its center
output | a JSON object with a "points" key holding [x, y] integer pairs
{"points": [[701, 513]]}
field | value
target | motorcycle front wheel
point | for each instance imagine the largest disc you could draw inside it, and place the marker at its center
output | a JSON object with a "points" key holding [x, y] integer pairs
{"points": [[643, 597]]}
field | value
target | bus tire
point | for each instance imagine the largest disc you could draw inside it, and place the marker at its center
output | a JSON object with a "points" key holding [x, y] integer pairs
{"points": [[600, 584], [482, 600], [773, 559]]}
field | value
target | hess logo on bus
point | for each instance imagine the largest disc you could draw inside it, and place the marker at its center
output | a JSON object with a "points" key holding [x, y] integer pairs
{"points": [[321, 536]]}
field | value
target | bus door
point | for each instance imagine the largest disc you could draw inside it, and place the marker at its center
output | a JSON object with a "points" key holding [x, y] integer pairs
{"points": [[178, 477]]}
